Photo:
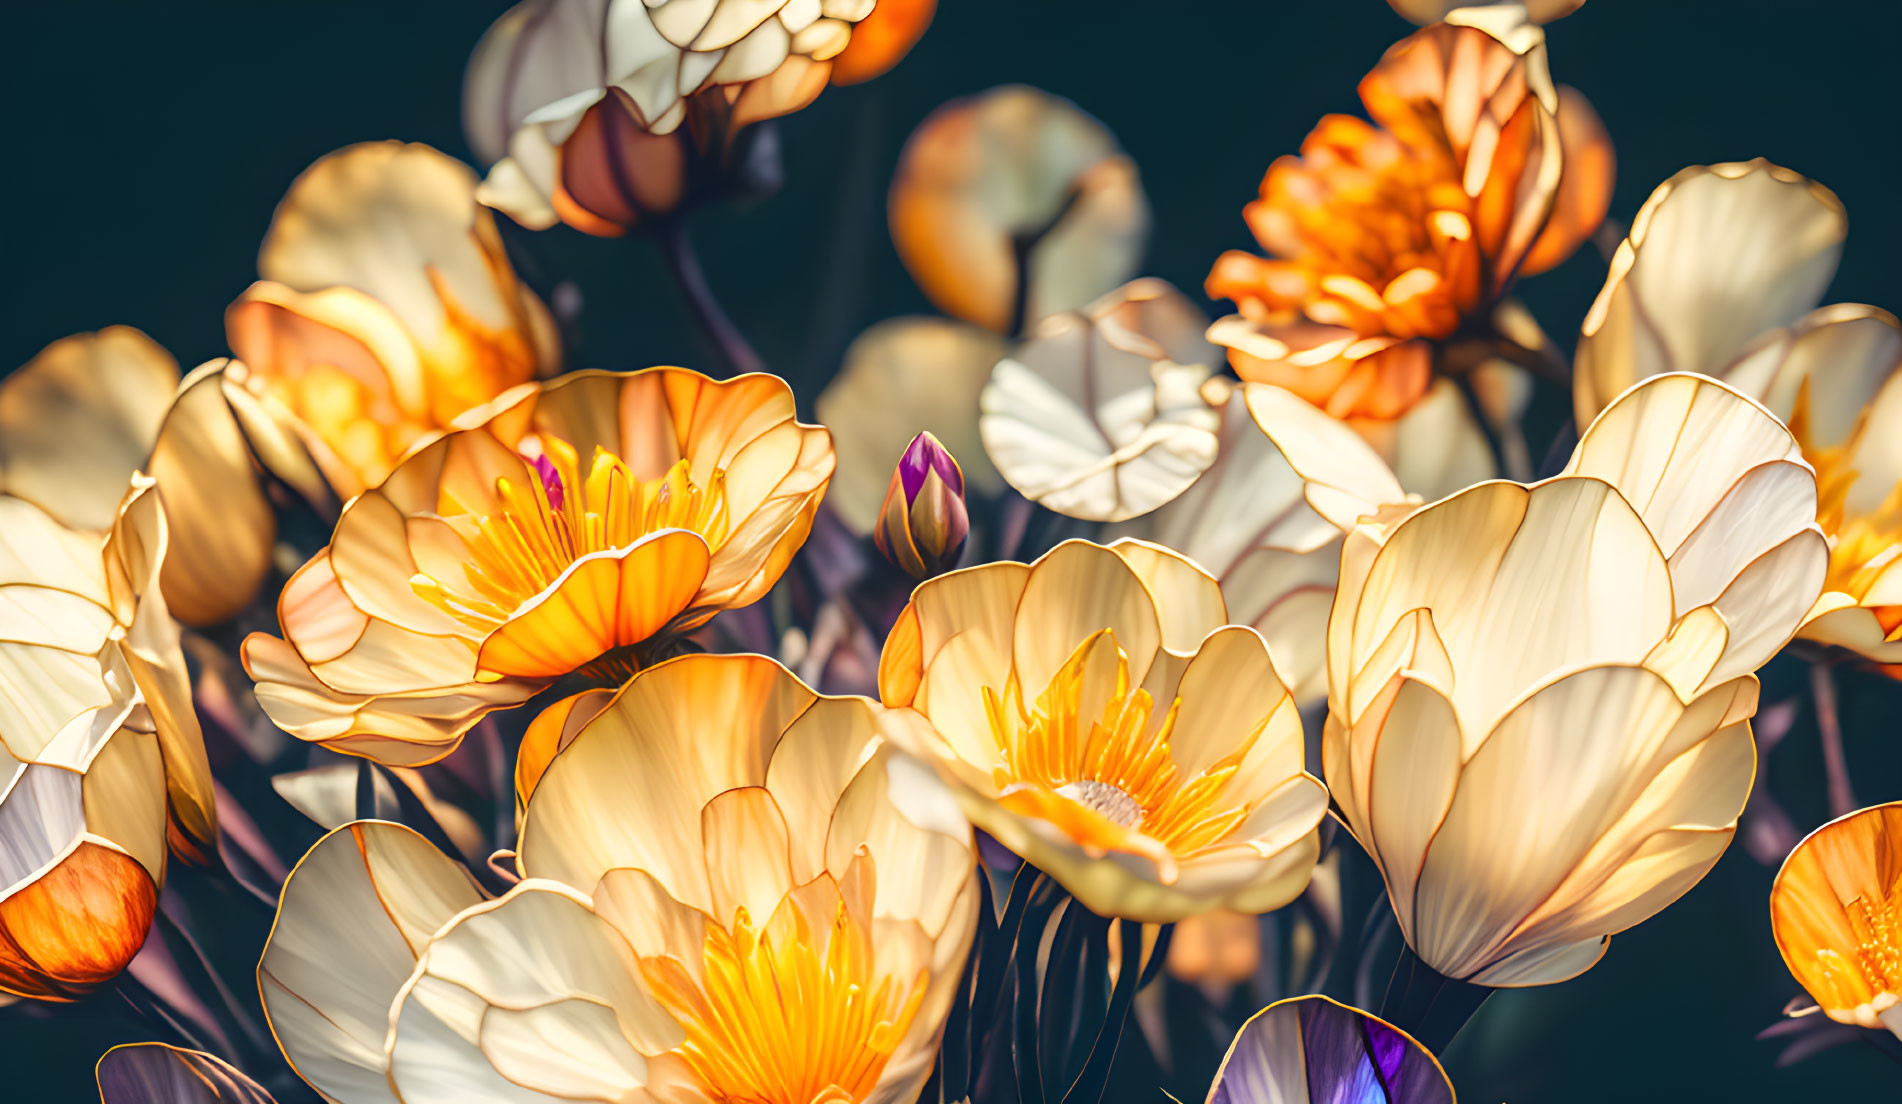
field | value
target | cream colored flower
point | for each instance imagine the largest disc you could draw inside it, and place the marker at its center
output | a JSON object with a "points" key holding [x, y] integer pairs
{"points": [[101, 761], [732, 891], [1094, 712], [1720, 274], [1539, 696], [1267, 519], [576, 102], [1016, 186], [1432, 11], [902, 377], [1836, 909], [1318, 1049], [570, 524], [1099, 414], [386, 308]]}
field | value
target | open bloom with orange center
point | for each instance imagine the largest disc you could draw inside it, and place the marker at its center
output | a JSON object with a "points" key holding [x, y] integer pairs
{"points": [[569, 526], [1388, 239], [733, 891], [101, 760], [387, 308], [1094, 713], [1836, 909], [1539, 696], [579, 104], [1721, 275]]}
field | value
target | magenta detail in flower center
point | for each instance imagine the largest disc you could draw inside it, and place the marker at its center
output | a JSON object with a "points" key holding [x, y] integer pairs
{"points": [[551, 481]]}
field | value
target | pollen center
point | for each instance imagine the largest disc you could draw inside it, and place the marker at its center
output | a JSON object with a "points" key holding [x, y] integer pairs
{"points": [[798, 1013], [1091, 744], [1105, 801], [1863, 541], [535, 527], [1877, 960]]}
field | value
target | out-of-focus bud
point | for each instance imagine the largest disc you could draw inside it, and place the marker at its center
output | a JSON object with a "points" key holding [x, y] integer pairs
{"points": [[924, 523]]}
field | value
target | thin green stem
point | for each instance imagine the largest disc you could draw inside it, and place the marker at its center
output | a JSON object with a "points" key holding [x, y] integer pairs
{"points": [[683, 263], [1842, 799]]}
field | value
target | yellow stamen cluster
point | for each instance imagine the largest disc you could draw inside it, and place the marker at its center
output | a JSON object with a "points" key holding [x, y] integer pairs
{"points": [[790, 1020], [1877, 962], [530, 535], [1860, 545], [1116, 764]]}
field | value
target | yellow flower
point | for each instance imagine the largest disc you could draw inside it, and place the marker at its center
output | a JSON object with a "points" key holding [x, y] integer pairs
{"points": [[579, 104], [732, 891], [1094, 714], [100, 750], [569, 525], [1267, 518], [1836, 909], [1720, 274], [1012, 187], [387, 308], [1316, 1048], [1539, 696]]}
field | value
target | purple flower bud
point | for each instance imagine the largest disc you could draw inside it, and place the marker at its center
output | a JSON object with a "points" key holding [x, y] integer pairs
{"points": [[924, 523]]}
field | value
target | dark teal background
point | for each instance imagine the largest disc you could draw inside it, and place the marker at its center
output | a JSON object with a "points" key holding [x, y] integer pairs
{"points": [[147, 143]]}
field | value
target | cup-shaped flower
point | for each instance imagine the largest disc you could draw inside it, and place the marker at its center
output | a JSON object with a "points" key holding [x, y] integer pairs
{"points": [[387, 307], [1094, 712], [924, 524], [1539, 695], [1013, 204], [1100, 413], [1836, 911], [607, 113], [1317, 1049], [1721, 275], [157, 1073], [900, 377], [1267, 520], [100, 751], [568, 526], [1387, 239], [732, 891], [1432, 11]]}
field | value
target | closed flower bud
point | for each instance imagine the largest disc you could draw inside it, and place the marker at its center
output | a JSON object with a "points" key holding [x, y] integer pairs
{"points": [[924, 523]]}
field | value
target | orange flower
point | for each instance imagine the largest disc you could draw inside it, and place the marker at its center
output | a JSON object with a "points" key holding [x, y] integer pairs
{"points": [[1386, 238], [572, 524], [387, 308]]}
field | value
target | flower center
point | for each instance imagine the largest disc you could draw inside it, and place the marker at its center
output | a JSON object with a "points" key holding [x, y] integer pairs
{"points": [[1861, 542], [1105, 801], [1089, 743], [1877, 960], [539, 526], [789, 1015]]}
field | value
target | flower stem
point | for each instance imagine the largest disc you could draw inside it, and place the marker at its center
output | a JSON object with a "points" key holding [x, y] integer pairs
{"points": [[1842, 799], [683, 263], [1464, 382], [1428, 1005]]}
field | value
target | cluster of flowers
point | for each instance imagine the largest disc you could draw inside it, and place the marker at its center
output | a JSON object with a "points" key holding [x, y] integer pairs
{"points": [[719, 883]]}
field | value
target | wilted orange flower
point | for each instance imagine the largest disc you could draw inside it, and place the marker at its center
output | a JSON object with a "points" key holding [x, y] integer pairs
{"points": [[1388, 237], [562, 531], [387, 308]]}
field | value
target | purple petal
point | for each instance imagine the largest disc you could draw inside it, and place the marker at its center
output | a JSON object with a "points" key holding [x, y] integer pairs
{"points": [[551, 481], [923, 456]]}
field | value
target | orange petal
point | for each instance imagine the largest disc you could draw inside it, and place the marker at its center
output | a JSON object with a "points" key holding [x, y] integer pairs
{"points": [[602, 602], [1585, 183], [882, 39], [549, 733], [77, 926]]}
